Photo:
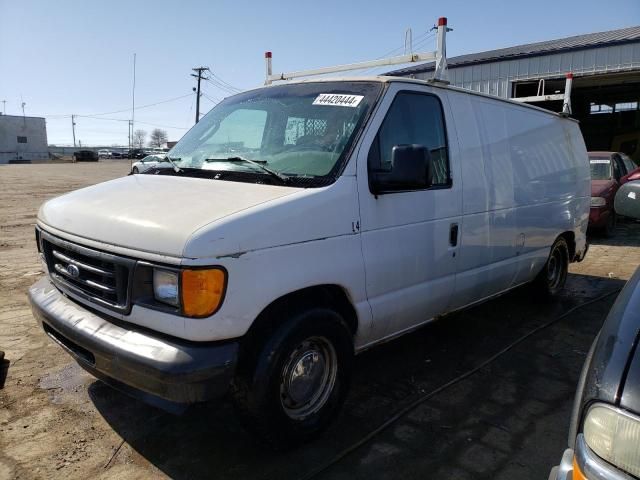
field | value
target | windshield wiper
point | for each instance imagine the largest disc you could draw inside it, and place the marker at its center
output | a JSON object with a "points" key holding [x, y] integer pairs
{"points": [[176, 168], [258, 163]]}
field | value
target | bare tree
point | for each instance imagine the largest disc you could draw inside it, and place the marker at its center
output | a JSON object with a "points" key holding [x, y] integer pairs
{"points": [[158, 138], [139, 137]]}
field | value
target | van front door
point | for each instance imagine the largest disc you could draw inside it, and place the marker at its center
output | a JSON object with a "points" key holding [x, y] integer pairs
{"points": [[409, 238]]}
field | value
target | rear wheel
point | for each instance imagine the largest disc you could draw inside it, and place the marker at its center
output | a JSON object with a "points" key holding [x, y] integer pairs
{"points": [[550, 281], [288, 389], [135, 170]]}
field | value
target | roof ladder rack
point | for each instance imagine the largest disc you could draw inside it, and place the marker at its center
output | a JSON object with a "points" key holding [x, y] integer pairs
{"points": [[439, 56], [541, 97]]}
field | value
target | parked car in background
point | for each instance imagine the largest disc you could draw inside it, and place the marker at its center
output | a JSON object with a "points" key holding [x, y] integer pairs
{"points": [[85, 156], [115, 154], [104, 153], [609, 170], [334, 215], [604, 434], [137, 153], [150, 161]]}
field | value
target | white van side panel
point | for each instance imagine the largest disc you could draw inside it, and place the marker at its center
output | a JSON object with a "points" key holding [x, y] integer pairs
{"points": [[258, 278], [409, 262], [525, 181]]}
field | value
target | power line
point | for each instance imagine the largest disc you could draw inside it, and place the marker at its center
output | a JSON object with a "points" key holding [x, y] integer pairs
{"points": [[121, 111], [220, 86], [211, 98], [126, 120], [225, 82], [162, 126], [420, 41]]}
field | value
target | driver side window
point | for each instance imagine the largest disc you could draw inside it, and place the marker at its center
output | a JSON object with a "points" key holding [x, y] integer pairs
{"points": [[413, 118]]}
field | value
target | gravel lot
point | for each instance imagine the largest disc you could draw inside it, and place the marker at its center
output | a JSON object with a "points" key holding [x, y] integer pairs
{"points": [[507, 420]]}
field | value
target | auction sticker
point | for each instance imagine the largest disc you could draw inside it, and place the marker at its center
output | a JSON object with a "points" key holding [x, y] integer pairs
{"points": [[338, 100]]}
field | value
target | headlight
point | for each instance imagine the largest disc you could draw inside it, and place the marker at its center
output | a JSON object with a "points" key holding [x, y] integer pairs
{"points": [[199, 292], [598, 201], [165, 286], [614, 435]]}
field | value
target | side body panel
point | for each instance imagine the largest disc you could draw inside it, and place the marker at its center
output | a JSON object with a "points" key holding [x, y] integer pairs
{"points": [[409, 262], [525, 181]]}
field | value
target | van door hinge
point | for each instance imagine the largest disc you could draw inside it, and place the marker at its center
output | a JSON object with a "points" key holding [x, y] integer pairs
{"points": [[355, 226]]}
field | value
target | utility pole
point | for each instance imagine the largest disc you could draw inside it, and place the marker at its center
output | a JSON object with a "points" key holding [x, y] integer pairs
{"points": [[73, 127], [133, 97], [130, 132], [4, 107], [199, 77]]}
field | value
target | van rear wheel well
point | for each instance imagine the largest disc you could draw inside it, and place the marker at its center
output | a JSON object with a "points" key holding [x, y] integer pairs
{"points": [[570, 238]]}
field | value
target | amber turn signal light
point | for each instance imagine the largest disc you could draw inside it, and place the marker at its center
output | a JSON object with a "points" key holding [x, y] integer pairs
{"points": [[202, 291], [577, 473]]}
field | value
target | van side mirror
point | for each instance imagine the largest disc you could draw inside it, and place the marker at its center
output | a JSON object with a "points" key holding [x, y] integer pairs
{"points": [[410, 170], [627, 201]]}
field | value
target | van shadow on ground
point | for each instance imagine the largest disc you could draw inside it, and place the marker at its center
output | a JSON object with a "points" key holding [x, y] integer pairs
{"points": [[509, 419]]}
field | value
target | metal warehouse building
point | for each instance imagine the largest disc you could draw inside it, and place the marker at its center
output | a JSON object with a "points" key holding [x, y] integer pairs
{"points": [[22, 139], [606, 86]]}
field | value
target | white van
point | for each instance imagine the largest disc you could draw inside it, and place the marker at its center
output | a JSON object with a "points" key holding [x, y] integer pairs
{"points": [[308, 221]]}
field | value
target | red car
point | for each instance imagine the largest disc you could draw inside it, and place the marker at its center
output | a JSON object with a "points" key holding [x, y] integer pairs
{"points": [[609, 170]]}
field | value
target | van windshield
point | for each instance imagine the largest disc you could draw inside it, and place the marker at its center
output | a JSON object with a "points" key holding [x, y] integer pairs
{"points": [[302, 132], [600, 168]]}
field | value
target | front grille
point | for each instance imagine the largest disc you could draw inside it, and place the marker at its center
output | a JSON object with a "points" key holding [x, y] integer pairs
{"points": [[94, 276]]}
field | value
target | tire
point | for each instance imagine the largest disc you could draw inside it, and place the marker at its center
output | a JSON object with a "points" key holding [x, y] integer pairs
{"points": [[290, 388], [135, 170], [550, 281], [610, 228]]}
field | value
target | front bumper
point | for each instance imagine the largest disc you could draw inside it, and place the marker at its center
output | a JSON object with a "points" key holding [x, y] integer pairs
{"points": [[591, 466], [143, 364]]}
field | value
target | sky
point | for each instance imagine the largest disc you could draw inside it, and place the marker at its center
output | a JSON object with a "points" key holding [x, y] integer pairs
{"points": [[68, 57]]}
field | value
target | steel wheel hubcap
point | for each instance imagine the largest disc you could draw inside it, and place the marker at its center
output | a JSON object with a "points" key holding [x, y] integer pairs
{"points": [[308, 377]]}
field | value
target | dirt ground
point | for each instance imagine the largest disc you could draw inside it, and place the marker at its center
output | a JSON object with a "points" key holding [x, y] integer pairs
{"points": [[507, 420]]}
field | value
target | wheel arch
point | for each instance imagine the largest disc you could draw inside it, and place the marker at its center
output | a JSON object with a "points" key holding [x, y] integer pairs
{"points": [[327, 295], [570, 238]]}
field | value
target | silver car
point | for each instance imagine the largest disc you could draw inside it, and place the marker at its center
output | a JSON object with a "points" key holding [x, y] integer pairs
{"points": [[150, 161]]}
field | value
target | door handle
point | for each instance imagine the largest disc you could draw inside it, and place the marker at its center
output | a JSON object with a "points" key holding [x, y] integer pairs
{"points": [[453, 235]]}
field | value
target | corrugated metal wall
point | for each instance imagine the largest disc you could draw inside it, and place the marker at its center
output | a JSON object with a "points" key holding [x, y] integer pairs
{"points": [[496, 77]]}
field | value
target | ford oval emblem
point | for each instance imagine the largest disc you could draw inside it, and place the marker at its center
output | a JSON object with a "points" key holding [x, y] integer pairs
{"points": [[73, 271]]}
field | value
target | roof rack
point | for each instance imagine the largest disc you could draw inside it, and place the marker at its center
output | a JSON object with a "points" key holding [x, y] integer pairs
{"points": [[439, 56], [541, 97]]}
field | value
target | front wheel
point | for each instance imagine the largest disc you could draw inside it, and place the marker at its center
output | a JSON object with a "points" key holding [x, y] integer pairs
{"points": [[550, 281], [296, 382]]}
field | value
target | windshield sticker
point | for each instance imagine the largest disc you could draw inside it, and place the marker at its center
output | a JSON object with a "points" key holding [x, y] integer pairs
{"points": [[338, 100], [599, 161]]}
